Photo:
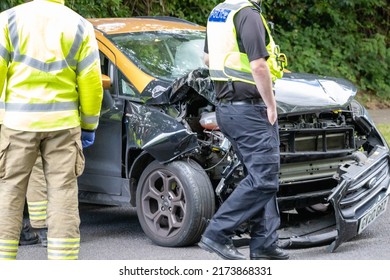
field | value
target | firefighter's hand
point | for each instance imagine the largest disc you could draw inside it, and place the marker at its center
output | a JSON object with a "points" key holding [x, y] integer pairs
{"points": [[87, 138]]}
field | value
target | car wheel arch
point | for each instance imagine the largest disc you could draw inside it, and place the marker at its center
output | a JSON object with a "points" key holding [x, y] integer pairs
{"points": [[135, 168]]}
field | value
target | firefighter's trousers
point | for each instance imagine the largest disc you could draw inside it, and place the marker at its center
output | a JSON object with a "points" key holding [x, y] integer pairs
{"points": [[37, 196], [63, 161]]}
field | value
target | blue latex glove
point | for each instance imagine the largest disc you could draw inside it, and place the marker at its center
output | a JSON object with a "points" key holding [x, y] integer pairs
{"points": [[87, 138]]}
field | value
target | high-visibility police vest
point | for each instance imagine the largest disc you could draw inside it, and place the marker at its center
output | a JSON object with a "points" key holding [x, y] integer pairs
{"points": [[50, 64], [226, 62]]}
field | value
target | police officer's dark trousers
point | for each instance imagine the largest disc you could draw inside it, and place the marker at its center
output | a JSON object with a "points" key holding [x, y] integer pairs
{"points": [[256, 142]]}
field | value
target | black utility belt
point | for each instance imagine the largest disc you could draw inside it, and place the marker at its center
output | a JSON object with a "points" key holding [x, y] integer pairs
{"points": [[256, 101]]}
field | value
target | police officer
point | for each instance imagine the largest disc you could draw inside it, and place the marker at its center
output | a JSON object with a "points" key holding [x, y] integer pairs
{"points": [[236, 54], [50, 64]]}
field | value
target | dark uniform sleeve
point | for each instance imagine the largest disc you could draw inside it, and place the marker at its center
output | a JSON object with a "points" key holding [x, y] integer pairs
{"points": [[251, 34]]}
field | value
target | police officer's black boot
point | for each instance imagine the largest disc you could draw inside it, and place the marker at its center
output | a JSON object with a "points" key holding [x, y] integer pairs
{"points": [[27, 235]]}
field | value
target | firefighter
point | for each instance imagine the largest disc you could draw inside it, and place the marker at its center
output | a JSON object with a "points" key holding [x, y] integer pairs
{"points": [[50, 64]]}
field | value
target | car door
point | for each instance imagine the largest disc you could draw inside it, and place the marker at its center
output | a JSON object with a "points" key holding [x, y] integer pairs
{"points": [[102, 178]]}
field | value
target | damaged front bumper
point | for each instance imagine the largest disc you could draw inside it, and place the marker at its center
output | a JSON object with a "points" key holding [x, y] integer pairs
{"points": [[360, 197]]}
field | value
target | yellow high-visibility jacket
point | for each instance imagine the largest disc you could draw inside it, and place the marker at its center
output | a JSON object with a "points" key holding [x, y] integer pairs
{"points": [[50, 68], [226, 62], [2, 108]]}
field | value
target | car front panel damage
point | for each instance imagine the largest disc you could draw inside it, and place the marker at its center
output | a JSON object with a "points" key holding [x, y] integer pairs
{"points": [[331, 153], [361, 194], [158, 133]]}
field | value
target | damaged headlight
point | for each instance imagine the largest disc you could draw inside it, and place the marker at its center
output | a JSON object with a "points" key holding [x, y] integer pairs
{"points": [[359, 110]]}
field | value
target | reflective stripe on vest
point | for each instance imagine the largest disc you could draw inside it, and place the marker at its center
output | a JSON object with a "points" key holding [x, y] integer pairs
{"points": [[228, 73]]}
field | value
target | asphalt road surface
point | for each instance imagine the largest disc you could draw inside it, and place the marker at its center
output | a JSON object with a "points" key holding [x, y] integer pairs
{"points": [[114, 233]]}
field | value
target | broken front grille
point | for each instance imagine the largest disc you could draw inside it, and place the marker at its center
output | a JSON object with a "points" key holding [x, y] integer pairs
{"points": [[316, 140]]}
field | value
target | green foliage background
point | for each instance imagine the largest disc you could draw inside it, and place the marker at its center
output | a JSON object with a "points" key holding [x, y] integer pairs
{"points": [[342, 38]]}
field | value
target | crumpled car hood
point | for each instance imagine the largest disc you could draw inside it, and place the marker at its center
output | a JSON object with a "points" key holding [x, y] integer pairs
{"points": [[297, 92]]}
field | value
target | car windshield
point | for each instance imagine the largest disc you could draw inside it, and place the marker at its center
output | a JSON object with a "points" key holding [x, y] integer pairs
{"points": [[164, 55]]}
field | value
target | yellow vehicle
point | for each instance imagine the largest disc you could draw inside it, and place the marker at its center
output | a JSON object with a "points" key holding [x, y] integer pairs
{"points": [[158, 147]]}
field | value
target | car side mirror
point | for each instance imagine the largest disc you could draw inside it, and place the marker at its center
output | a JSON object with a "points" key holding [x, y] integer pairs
{"points": [[106, 82]]}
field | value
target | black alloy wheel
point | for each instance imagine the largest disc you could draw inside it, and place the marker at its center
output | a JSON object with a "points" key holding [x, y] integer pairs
{"points": [[174, 202]]}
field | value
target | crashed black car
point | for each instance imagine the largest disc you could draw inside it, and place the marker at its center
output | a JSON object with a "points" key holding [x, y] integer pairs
{"points": [[158, 147]]}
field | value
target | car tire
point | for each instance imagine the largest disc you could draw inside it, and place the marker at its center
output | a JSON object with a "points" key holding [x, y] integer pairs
{"points": [[174, 202]]}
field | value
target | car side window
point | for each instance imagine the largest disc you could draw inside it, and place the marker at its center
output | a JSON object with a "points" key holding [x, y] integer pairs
{"points": [[126, 88], [106, 67], [103, 63]]}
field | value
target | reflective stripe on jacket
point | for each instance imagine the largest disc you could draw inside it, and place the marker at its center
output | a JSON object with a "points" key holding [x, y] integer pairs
{"points": [[50, 58], [226, 62]]}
